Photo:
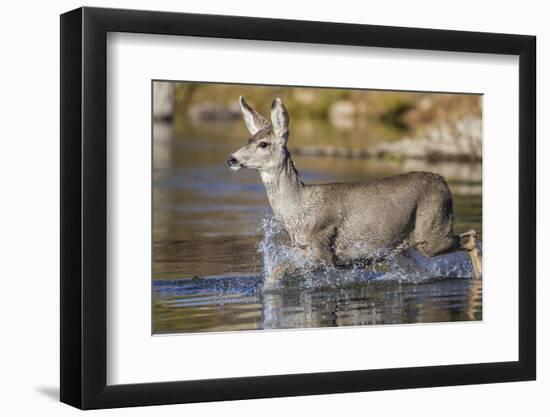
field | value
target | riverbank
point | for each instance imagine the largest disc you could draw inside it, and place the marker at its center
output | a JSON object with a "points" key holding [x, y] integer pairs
{"points": [[460, 141]]}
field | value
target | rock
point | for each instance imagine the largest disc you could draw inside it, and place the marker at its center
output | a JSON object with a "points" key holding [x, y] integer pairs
{"points": [[458, 141], [334, 151]]}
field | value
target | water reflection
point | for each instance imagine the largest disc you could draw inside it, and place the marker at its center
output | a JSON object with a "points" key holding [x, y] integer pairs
{"points": [[239, 303], [438, 301]]}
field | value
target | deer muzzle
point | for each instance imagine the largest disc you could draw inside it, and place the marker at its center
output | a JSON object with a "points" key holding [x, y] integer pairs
{"points": [[233, 163]]}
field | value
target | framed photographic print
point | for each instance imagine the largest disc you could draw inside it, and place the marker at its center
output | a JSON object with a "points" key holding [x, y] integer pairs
{"points": [[256, 208]]}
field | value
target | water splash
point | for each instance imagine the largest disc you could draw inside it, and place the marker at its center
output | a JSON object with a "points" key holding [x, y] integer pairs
{"points": [[275, 249], [408, 267]]}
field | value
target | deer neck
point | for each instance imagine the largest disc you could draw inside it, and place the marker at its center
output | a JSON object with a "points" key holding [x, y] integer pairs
{"points": [[284, 190]]}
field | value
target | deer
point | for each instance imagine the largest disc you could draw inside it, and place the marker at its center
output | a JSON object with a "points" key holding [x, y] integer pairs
{"points": [[349, 223]]}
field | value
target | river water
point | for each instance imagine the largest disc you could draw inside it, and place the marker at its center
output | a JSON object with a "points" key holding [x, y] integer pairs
{"points": [[210, 239]]}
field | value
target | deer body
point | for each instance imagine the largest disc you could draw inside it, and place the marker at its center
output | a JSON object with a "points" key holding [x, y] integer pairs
{"points": [[345, 223]]}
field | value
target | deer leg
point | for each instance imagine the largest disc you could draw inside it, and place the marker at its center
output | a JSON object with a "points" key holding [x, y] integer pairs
{"points": [[322, 255], [321, 248], [405, 261], [317, 253], [314, 253], [281, 271], [468, 243]]}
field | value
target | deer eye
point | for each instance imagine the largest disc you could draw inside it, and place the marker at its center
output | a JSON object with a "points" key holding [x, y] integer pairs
{"points": [[262, 145]]}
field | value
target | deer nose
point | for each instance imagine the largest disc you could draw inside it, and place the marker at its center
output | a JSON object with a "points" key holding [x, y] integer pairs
{"points": [[232, 161]]}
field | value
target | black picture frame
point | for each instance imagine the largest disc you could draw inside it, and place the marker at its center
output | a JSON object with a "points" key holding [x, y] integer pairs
{"points": [[84, 207]]}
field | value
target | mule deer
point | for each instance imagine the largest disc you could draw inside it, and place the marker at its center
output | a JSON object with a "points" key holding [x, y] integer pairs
{"points": [[342, 224]]}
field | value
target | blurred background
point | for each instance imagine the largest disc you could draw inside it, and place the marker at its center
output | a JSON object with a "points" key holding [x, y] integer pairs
{"points": [[207, 219]]}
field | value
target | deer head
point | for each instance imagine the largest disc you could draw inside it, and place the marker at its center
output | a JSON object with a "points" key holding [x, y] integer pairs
{"points": [[265, 149]]}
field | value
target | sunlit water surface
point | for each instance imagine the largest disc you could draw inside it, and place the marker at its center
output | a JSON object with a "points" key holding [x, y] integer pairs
{"points": [[214, 239]]}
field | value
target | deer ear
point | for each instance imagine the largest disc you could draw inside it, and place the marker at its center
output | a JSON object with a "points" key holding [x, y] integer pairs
{"points": [[279, 119], [253, 120]]}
